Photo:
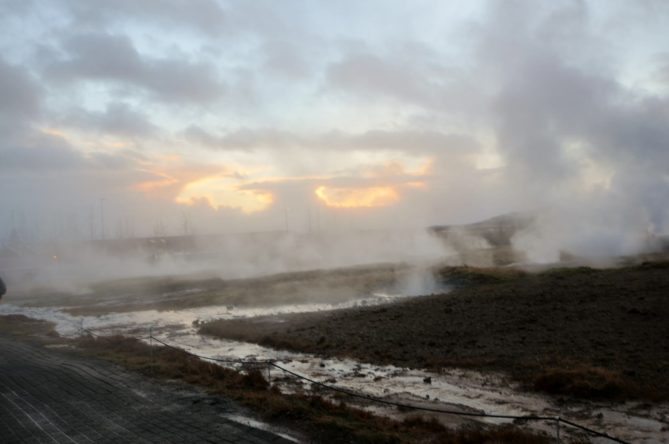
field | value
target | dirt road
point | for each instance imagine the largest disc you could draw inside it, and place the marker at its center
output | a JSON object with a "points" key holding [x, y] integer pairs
{"points": [[51, 395]]}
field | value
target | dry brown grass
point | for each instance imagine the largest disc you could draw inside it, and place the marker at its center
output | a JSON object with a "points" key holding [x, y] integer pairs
{"points": [[466, 275], [171, 363], [170, 293], [579, 332], [585, 382], [321, 419], [19, 325]]}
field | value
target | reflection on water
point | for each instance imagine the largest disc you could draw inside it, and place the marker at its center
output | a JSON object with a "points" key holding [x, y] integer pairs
{"points": [[67, 324], [178, 328]]}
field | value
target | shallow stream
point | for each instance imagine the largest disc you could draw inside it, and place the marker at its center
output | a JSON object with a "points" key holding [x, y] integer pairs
{"points": [[452, 389]]}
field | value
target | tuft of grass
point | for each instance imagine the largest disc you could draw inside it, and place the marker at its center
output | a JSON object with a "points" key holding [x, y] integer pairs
{"points": [[20, 325], [171, 363], [583, 381], [566, 272], [165, 293], [467, 276]]}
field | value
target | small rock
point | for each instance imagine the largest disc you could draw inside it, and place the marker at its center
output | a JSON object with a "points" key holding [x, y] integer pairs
{"points": [[427, 380]]}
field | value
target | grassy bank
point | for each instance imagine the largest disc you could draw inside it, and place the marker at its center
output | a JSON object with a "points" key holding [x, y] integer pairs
{"points": [[175, 293], [577, 332], [320, 419]]}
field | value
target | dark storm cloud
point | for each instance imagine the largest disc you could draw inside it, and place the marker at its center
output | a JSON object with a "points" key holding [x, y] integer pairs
{"points": [[366, 73], [11, 8], [113, 58], [539, 96], [33, 152], [634, 133], [409, 141], [39, 153], [410, 73], [243, 139], [549, 86], [412, 141], [24, 148], [661, 74], [539, 108], [558, 88], [119, 161], [547, 99], [117, 119], [206, 16], [286, 59], [20, 95]]}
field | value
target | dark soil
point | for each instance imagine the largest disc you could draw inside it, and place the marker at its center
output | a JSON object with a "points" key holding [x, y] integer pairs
{"points": [[579, 332]]}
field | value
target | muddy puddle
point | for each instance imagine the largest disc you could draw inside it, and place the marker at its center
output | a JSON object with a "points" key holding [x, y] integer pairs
{"points": [[459, 390]]}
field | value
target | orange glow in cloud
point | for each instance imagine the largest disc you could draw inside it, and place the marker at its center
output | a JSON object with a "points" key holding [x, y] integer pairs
{"points": [[417, 184], [116, 144], [347, 197], [153, 185], [425, 169], [396, 168], [223, 192], [56, 132], [379, 195], [168, 174], [249, 191]]}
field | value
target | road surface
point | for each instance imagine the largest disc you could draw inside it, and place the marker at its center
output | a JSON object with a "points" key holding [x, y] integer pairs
{"points": [[53, 396]]}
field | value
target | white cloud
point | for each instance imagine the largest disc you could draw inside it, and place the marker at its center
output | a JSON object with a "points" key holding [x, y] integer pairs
{"points": [[494, 96]]}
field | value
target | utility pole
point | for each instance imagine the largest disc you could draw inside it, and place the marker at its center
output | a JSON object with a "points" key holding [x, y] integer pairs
{"points": [[309, 222], [102, 217], [91, 221], [186, 223], [285, 218]]}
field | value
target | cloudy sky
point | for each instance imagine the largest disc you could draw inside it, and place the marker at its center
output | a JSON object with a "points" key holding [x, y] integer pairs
{"points": [[205, 116]]}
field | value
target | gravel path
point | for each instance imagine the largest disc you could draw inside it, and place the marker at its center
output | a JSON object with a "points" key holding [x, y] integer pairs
{"points": [[52, 396]]}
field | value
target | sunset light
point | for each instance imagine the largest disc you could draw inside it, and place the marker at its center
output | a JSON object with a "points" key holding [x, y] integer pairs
{"points": [[222, 192], [345, 197], [286, 183], [155, 184]]}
